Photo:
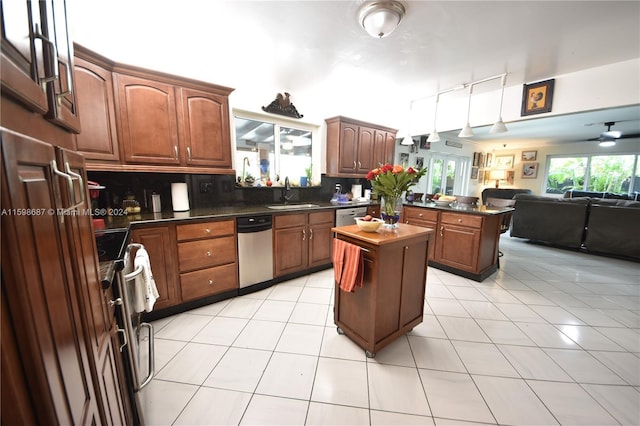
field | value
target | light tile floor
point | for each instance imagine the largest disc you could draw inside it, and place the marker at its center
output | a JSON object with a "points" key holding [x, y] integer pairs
{"points": [[553, 337]]}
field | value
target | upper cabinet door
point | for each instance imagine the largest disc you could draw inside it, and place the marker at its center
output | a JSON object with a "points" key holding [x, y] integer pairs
{"points": [[148, 124], [204, 128], [98, 140], [366, 143], [348, 148], [22, 67]]}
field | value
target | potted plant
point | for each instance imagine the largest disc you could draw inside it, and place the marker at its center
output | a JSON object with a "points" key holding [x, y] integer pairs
{"points": [[308, 172]]}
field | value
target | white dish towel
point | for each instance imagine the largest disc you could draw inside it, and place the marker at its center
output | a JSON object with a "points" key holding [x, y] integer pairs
{"points": [[145, 289]]}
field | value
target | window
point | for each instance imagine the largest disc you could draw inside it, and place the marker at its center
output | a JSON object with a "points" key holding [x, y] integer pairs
{"points": [[618, 174]]}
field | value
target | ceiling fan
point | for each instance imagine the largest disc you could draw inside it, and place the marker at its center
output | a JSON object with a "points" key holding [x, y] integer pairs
{"points": [[609, 137]]}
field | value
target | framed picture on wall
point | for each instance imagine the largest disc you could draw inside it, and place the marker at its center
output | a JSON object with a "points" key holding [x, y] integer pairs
{"points": [[481, 176], [488, 160], [404, 158], [537, 97], [504, 161], [474, 173], [529, 155], [511, 174], [529, 170]]}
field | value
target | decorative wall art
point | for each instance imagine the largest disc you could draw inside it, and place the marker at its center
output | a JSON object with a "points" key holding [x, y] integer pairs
{"points": [[511, 174], [481, 176], [529, 170], [488, 160], [474, 173], [419, 162], [529, 155], [404, 158], [504, 161], [423, 142], [537, 97], [282, 105]]}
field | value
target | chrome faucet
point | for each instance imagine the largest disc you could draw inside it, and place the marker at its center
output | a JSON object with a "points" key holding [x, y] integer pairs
{"points": [[285, 193]]}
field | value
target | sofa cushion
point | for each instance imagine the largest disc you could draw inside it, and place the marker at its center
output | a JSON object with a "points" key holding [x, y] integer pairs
{"points": [[614, 229], [613, 202], [558, 221]]}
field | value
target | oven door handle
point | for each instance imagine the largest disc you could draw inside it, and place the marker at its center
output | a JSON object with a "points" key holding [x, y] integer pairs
{"points": [[152, 360]]}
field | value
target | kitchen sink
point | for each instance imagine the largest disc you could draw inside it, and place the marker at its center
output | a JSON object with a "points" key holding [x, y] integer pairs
{"points": [[291, 206]]}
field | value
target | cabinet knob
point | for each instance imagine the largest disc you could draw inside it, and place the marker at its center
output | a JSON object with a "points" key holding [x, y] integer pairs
{"points": [[208, 231], [209, 253], [459, 220], [420, 215], [210, 282]]}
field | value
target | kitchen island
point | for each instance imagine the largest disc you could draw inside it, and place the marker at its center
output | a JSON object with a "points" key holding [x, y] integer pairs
{"points": [[391, 300], [466, 238]]}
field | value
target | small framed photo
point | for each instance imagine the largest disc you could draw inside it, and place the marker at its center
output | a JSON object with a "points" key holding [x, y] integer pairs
{"points": [[423, 142], [488, 160], [474, 173], [537, 97], [419, 162], [404, 158], [529, 170], [504, 161], [511, 174], [529, 155], [481, 176]]}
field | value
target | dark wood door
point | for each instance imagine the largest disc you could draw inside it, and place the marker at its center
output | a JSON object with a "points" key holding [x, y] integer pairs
{"points": [[22, 66], [148, 122], [99, 315], [61, 92], [161, 248], [39, 282], [366, 144], [98, 139], [291, 250], [204, 128], [348, 148]]}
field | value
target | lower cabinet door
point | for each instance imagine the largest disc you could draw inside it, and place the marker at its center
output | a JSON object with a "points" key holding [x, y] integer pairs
{"points": [[210, 281], [458, 247], [291, 250]]}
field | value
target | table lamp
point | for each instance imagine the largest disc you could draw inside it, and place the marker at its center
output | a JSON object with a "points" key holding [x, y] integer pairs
{"points": [[497, 175]]}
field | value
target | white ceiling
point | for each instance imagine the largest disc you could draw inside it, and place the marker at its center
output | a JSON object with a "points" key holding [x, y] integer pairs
{"points": [[318, 47]]}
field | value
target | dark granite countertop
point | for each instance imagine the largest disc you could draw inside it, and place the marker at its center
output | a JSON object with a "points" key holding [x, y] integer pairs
{"points": [[462, 208]]}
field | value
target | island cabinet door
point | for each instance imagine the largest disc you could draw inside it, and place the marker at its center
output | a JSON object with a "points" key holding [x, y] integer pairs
{"points": [[458, 246], [414, 270]]}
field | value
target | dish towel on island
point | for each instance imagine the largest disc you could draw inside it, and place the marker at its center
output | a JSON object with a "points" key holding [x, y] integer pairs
{"points": [[348, 265], [145, 289]]}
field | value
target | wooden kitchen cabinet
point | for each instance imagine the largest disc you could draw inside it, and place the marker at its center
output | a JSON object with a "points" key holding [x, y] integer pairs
{"points": [[148, 128], [159, 241], [465, 243], [391, 300], [302, 241], [98, 139], [425, 218], [207, 258], [355, 147], [37, 60], [44, 279]]}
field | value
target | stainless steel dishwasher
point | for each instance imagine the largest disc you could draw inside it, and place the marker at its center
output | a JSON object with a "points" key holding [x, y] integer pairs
{"points": [[345, 216], [255, 252]]}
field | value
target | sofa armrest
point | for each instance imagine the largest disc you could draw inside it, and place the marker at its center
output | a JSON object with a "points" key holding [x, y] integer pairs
{"points": [[614, 230]]}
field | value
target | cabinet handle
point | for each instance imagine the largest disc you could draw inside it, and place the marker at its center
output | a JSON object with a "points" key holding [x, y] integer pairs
{"points": [[210, 282], [208, 253], [56, 73], [72, 195], [77, 176], [359, 165], [189, 153], [310, 234], [304, 235], [442, 231], [124, 338], [175, 150], [354, 164], [118, 301]]}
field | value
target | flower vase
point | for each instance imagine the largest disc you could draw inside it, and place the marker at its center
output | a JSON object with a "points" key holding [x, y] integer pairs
{"points": [[390, 208]]}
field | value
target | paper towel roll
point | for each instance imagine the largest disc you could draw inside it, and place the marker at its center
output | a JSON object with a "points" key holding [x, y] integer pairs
{"points": [[356, 191], [179, 197]]}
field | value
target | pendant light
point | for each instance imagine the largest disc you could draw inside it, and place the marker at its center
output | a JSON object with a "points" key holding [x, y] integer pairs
{"points": [[467, 131], [381, 18], [499, 126], [434, 136], [408, 140]]}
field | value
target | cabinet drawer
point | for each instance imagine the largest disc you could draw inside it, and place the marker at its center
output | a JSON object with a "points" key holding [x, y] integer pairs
{"points": [[461, 220], [206, 253], [207, 282], [321, 217], [289, 220], [421, 222], [420, 214], [194, 231]]}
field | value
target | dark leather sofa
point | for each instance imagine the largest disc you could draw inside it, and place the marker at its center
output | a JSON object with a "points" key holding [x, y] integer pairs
{"points": [[606, 226], [504, 193]]}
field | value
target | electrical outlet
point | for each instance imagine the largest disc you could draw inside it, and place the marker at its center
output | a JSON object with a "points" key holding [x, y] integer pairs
{"points": [[206, 187]]}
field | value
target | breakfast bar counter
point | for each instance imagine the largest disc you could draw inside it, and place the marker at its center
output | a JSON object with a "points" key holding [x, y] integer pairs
{"points": [[391, 300]]}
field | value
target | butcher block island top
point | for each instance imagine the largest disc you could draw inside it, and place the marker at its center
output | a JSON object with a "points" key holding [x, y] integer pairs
{"points": [[391, 300]]}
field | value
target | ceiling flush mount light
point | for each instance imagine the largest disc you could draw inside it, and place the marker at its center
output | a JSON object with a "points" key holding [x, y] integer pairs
{"points": [[607, 142], [499, 126], [380, 18], [434, 136], [467, 131]]}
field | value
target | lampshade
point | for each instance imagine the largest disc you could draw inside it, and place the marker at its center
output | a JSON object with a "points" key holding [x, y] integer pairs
{"points": [[497, 174], [381, 18], [467, 131], [408, 141], [499, 126], [433, 137]]}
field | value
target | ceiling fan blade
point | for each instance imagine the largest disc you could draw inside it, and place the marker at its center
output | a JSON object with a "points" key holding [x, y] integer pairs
{"points": [[629, 135]]}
